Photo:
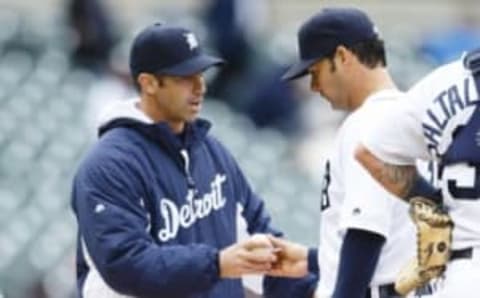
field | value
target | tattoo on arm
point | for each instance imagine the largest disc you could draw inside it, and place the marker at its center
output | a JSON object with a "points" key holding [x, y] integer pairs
{"points": [[399, 179]]}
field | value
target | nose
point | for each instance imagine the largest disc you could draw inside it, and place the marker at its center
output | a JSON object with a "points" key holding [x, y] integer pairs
{"points": [[199, 86]]}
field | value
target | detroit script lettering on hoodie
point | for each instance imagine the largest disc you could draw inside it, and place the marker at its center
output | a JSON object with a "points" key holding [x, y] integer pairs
{"points": [[185, 216]]}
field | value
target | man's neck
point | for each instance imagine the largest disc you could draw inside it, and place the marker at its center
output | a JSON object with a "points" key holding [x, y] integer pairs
{"points": [[149, 108], [372, 81]]}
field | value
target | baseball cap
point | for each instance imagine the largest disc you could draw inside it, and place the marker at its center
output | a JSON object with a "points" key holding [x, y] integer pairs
{"points": [[320, 35], [168, 50]]}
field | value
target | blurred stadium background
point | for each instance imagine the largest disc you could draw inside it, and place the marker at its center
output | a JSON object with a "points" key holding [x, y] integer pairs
{"points": [[61, 61]]}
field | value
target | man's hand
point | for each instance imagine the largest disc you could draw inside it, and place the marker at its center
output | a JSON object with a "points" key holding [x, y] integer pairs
{"points": [[292, 259], [255, 255]]}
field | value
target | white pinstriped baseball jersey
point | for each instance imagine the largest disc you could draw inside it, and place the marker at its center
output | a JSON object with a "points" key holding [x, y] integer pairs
{"points": [[424, 125], [437, 121], [351, 198]]}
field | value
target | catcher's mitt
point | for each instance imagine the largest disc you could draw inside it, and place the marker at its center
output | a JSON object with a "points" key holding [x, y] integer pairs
{"points": [[434, 237]]}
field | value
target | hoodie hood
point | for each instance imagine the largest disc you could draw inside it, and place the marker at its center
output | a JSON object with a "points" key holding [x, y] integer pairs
{"points": [[126, 114], [125, 109]]}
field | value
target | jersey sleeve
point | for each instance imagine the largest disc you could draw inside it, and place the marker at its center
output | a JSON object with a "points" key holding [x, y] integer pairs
{"points": [[367, 205], [396, 135], [253, 208]]}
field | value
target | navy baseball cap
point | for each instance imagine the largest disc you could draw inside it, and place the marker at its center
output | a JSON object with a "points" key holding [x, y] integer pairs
{"points": [[320, 35], [168, 50]]}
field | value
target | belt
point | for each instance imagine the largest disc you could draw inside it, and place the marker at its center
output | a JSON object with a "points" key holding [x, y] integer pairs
{"points": [[384, 291], [466, 253], [388, 291]]}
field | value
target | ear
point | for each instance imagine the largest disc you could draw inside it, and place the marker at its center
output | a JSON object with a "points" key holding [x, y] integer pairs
{"points": [[148, 83], [343, 55]]}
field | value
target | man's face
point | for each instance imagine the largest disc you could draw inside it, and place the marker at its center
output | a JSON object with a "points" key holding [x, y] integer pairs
{"points": [[180, 98], [326, 79]]}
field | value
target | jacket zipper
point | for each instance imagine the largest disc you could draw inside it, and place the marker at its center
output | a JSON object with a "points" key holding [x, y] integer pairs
{"points": [[186, 163]]}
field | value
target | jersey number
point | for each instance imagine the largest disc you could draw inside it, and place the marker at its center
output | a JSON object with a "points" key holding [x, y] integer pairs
{"points": [[466, 192], [325, 199]]}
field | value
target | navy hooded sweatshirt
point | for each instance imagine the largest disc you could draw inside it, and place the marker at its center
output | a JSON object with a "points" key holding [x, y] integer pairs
{"points": [[154, 210]]}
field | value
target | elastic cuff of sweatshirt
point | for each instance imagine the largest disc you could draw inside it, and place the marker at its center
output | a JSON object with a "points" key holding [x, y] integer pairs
{"points": [[313, 261], [216, 266]]}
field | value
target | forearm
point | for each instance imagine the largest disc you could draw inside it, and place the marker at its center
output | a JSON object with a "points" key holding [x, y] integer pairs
{"points": [[358, 259], [397, 179], [254, 210], [172, 270], [404, 181], [284, 287]]}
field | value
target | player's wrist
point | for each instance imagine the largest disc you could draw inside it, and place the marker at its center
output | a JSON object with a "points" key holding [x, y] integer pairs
{"points": [[217, 263], [422, 188], [224, 260]]}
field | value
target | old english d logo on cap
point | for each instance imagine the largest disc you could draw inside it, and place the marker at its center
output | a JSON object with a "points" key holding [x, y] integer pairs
{"points": [[191, 40], [168, 50]]}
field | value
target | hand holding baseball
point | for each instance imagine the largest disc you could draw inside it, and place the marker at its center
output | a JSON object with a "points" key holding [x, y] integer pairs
{"points": [[292, 259], [252, 256]]}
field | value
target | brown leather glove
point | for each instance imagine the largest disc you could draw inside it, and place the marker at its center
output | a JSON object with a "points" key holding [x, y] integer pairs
{"points": [[434, 237]]}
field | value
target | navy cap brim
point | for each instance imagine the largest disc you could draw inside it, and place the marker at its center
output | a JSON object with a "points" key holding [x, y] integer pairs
{"points": [[192, 66], [298, 69]]}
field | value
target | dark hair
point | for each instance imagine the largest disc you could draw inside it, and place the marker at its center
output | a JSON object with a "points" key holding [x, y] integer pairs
{"points": [[370, 52], [158, 77]]}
